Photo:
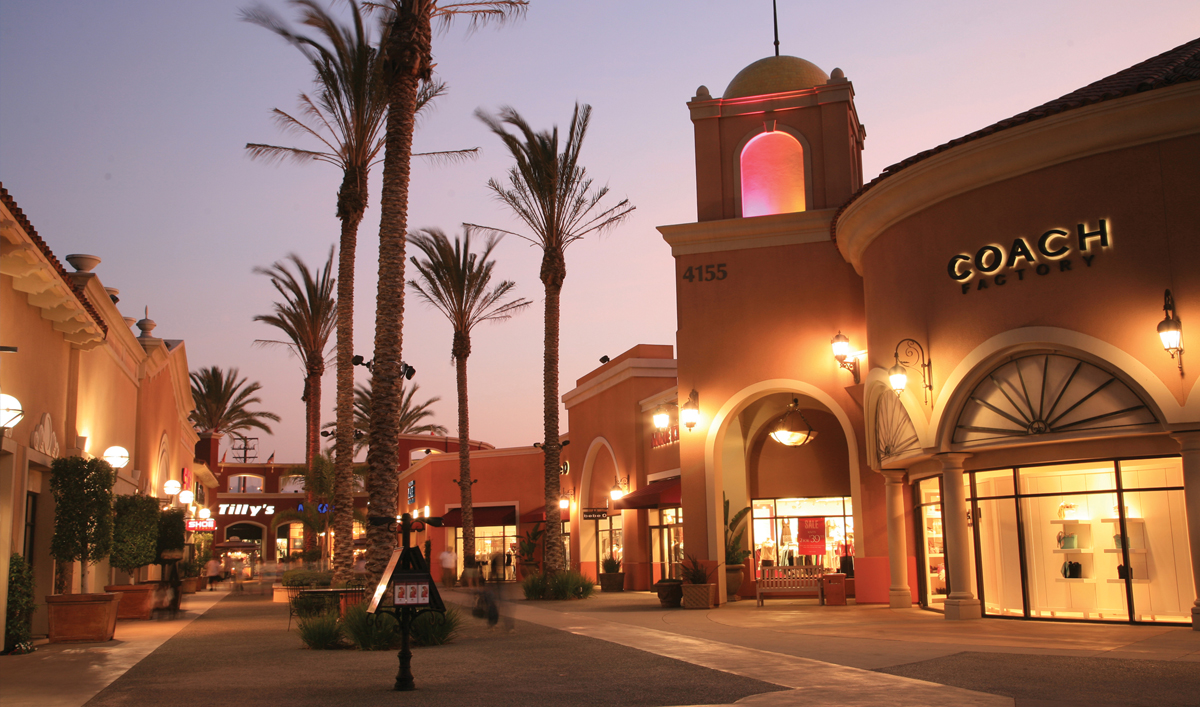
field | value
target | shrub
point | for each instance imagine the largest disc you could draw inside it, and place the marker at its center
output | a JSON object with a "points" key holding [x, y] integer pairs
{"points": [[17, 636], [309, 605], [135, 532], [433, 629], [304, 578], [693, 571], [610, 565], [171, 529], [571, 584], [83, 512], [368, 632], [534, 585], [321, 632]]}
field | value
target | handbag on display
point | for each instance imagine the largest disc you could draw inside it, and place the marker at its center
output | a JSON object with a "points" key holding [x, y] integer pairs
{"points": [[1075, 570], [1066, 570], [1123, 572]]}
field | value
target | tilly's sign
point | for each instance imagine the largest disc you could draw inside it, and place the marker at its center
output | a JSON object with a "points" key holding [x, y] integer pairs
{"points": [[993, 264]]}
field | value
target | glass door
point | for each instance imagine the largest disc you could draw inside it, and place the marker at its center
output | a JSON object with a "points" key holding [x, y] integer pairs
{"points": [[666, 543], [931, 582]]}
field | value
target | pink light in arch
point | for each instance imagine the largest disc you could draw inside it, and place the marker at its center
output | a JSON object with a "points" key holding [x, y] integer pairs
{"points": [[772, 175]]}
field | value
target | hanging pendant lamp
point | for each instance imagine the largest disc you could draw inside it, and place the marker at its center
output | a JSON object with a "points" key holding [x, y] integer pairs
{"points": [[793, 429]]}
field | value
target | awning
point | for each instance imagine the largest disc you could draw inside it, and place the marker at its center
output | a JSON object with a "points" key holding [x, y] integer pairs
{"points": [[655, 495], [483, 516], [538, 515]]}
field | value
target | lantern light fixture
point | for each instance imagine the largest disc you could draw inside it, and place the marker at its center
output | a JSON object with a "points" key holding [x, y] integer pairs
{"points": [[172, 487], [619, 489], [204, 513], [1170, 330], [793, 429], [847, 358], [689, 412], [914, 355], [564, 501], [11, 411], [186, 497], [662, 418], [117, 457]]}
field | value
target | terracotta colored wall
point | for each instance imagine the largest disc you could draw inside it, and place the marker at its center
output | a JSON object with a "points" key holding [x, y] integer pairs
{"points": [[819, 468], [36, 374]]}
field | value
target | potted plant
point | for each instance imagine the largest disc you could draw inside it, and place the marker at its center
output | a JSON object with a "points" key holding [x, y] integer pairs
{"points": [[698, 593], [527, 549], [135, 538], [83, 525], [18, 638], [612, 579], [670, 592], [735, 554], [171, 529]]}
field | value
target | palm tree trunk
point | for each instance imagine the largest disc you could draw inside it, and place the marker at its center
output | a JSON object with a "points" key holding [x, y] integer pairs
{"points": [[353, 194], [554, 554], [462, 349], [408, 56], [312, 411]]}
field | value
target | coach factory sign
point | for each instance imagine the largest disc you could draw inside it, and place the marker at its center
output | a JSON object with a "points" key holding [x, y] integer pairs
{"points": [[995, 265]]}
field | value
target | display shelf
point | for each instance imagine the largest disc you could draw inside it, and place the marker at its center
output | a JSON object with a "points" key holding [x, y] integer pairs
{"points": [[1073, 551], [1132, 550], [1070, 521], [1135, 581], [1118, 520], [1076, 580], [936, 554]]}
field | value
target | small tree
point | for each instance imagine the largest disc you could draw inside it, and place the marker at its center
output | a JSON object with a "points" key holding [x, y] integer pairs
{"points": [[171, 529], [83, 519], [135, 533]]}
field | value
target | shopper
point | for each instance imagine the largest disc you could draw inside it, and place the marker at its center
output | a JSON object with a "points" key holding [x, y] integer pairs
{"points": [[449, 567]]}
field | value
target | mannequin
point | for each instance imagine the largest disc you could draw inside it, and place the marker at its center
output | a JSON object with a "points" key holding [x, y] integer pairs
{"points": [[767, 558]]}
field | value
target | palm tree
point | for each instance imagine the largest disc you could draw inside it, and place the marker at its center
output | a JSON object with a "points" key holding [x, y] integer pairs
{"points": [[456, 282], [346, 117], [223, 401], [408, 59], [411, 414], [551, 193], [320, 481], [306, 316]]}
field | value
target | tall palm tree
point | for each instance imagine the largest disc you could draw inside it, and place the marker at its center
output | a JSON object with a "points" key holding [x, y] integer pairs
{"points": [[223, 403], [306, 316], [408, 59], [551, 193], [346, 118], [412, 414], [457, 283]]}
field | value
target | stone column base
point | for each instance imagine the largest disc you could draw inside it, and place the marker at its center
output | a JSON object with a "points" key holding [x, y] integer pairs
{"points": [[961, 609], [900, 598]]}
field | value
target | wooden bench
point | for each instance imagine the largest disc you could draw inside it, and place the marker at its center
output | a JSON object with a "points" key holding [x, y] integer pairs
{"points": [[800, 579]]}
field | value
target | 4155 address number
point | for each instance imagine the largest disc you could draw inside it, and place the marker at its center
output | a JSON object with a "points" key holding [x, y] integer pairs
{"points": [[705, 273]]}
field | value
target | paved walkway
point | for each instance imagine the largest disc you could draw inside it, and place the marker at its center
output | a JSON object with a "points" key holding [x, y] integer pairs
{"points": [[832, 655]]}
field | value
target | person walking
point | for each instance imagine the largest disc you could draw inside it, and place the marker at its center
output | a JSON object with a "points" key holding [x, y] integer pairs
{"points": [[212, 568], [449, 567]]}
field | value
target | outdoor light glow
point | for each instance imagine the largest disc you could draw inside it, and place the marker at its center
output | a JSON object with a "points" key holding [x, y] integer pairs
{"points": [[426, 511], [617, 492], [1169, 330], [841, 346], [118, 457], [689, 414], [793, 429], [564, 503], [10, 411], [205, 513], [186, 497], [898, 377], [171, 487], [662, 418], [772, 175]]}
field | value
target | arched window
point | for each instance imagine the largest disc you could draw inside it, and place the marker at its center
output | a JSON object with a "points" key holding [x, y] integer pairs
{"points": [[772, 167]]}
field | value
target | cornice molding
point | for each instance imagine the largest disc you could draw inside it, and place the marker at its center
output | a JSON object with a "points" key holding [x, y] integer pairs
{"points": [[621, 372], [743, 233]]}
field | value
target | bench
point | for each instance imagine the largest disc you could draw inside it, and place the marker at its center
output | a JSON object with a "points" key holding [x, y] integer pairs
{"points": [[800, 579]]}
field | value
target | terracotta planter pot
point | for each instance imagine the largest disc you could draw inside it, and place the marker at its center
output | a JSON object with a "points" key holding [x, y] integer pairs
{"points": [[188, 586], [670, 594], [612, 581], [201, 583], [528, 569], [699, 596], [82, 618], [733, 581], [136, 600]]}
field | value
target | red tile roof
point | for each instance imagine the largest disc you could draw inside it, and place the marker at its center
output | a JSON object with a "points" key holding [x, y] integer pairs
{"points": [[17, 213], [1179, 65]]}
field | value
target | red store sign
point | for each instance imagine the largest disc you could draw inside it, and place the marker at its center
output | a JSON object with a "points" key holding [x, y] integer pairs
{"points": [[810, 536], [203, 524]]}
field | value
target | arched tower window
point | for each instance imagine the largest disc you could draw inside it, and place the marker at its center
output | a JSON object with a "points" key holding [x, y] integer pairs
{"points": [[772, 166]]}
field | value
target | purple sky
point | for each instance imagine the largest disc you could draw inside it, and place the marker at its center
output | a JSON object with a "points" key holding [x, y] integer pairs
{"points": [[122, 126]]}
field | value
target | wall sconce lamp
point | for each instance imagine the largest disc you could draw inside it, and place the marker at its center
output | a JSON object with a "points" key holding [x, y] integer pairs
{"points": [[172, 487], [117, 457], [204, 513], [846, 358], [619, 489], [11, 411], [564, 501], [914, 355], [689, 412], [186, 497], [662, 416], [1170, 330], [793, 429]]}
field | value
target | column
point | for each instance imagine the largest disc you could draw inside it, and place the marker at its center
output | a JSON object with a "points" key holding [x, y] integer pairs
{"points": [[1189, 444], [899, 594], [961, 604]]}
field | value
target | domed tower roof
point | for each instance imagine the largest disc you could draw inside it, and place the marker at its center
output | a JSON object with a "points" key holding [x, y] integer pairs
{"points": [[775, 74]]}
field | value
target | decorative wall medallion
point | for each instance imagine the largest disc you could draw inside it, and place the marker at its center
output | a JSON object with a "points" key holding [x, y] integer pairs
{"points": [[43, 439], [1048, 393], [894, 432]]}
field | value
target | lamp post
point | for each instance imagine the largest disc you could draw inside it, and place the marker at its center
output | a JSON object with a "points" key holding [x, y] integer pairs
{"points": [[413, 590]]}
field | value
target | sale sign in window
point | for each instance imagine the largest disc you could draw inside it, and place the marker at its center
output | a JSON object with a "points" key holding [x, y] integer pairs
{"points": [[810, 536]]}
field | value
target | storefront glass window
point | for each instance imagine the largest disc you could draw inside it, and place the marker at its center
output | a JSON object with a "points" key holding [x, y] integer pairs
{"points": [[802, 531], [490, 541], [608, 539], [666, 543], [1154, 546], [245, 483], [933, 586], [999, 555]]}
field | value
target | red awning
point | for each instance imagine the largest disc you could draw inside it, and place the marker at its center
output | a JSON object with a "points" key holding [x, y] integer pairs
{"points": [[658, 494], [483, 516], [538, 515]]}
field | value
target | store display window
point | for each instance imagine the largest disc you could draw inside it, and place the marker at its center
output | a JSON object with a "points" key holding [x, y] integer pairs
{"points": [[802, 532], [490, 541], [666, 543]]}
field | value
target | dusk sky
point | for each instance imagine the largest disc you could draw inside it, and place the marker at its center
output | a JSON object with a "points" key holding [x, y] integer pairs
{"points": [[123, 125]]}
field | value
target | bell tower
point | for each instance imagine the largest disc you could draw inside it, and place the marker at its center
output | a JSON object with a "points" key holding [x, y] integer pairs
{"points": [[784, 138]]}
